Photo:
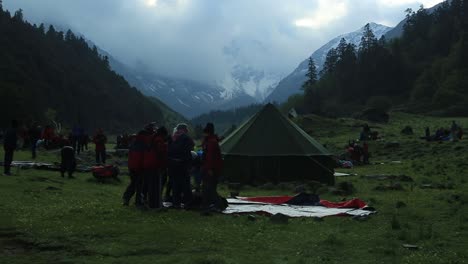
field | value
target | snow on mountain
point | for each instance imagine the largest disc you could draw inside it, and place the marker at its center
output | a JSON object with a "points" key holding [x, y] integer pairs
{"points": [[243, 77], [293, 82]]}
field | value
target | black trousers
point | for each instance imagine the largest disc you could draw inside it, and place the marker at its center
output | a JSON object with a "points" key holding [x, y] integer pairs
{"points": [[101, 156], [181, 188], [68, 167], [152, 183], [8, 159], [33, 148], [135, 188], [209, 190]]}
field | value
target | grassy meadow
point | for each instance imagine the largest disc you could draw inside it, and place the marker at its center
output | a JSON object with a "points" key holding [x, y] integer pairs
{"points": [[48, 219]]}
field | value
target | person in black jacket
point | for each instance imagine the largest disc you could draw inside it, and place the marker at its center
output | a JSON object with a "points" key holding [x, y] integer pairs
{"points": [[68, 163], [180, 158], [9, 145]]}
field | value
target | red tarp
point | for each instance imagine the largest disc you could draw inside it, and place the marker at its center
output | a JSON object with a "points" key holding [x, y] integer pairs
{"points": [[354, 203]]}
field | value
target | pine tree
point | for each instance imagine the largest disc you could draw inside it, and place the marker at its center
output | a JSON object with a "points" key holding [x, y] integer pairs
{"points": [[341, 49], [311, 75], [368, 40], [18, 15], [330, 62], [69, 36], [41, 28], [51, 33]]}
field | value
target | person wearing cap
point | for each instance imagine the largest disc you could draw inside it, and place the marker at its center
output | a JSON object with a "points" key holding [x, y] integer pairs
{"points": [[180, 157], [212, 164]]}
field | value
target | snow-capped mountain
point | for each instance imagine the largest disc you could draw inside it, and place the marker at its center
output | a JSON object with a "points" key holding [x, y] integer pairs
{"points": [[187, 97], [293, 82], [243, 77], [190, 98]]}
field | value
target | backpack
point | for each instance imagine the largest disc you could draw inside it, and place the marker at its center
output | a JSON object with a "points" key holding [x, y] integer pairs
{"points": [[107, 171]]}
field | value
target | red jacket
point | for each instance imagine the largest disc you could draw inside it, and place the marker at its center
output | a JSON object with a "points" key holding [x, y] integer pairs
{"points": [[155, 156], [212, 158], [135, 153], [100, 140]]}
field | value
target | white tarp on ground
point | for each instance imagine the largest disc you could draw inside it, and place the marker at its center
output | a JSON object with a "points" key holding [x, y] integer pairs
{"points": [[237, 206], [30, 164], [340, 174]]}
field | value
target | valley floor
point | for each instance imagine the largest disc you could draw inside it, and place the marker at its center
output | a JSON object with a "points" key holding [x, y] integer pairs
{"points": [[47, 219]]}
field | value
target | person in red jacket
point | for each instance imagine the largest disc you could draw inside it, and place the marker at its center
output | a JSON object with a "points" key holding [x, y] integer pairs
{"points": [[154, 161], [135, 169], [365, 153], [212, 164], [100, 141], [158, 155]]}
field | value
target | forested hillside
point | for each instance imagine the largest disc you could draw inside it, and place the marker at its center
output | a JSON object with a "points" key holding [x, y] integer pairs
{"points": [[425, 71], [47, 71]]}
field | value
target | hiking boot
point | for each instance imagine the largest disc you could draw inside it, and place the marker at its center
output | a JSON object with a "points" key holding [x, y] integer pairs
{"points": [[125, 202], [7, 174]]}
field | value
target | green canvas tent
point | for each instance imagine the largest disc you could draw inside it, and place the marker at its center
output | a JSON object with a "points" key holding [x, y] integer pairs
{"points": [[271, 148]]}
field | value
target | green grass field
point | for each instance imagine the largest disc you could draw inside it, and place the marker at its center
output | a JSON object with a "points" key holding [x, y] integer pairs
{"points": [[47, 219]]}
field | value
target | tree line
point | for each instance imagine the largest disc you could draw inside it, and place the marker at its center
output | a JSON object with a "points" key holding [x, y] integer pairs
{"points": [[424, 71], [46, 70]]}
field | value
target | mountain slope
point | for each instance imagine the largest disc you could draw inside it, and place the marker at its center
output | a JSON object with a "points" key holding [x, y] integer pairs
{"points": [[397, 31], [293, 82], [50, 70]]}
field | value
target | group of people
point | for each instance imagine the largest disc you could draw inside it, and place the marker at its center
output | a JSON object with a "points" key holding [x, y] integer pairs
{"points": [[159, 160], [79, 139], [455, 133], [75, 144], [358, 154]]}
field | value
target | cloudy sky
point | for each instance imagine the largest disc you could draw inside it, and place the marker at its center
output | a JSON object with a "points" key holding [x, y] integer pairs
{"points": [[189, 38]]}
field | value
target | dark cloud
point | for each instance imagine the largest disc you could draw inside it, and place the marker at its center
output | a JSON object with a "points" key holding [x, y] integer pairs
{"points": [[188, 38]]}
